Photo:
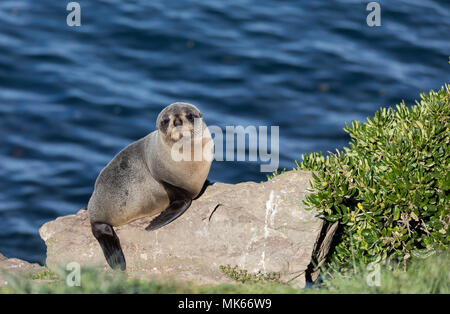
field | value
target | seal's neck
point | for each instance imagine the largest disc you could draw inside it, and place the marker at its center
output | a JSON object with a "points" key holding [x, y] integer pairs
{"points": [[168, 165]]}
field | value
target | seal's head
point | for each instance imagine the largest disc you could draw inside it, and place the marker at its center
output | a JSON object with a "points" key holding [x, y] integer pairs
{"points": [[176, 121]]}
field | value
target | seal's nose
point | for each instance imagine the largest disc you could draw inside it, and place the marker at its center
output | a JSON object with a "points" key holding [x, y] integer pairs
{"points": [[177, 122]]}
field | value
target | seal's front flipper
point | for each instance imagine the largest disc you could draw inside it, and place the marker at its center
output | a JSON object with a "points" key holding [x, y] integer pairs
{"points": [[109, 241], [172, 212], [205, 186]]}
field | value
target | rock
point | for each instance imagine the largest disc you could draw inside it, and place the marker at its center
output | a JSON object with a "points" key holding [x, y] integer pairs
{"points": [[16, 267], [256, 226], [321, 249]]}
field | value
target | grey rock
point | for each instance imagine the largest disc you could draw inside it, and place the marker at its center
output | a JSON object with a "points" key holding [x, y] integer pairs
{"points": [[256, 226], [16, 267]]}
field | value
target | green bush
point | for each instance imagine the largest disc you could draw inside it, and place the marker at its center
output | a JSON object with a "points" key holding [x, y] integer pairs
{"points": [[390, 189]]}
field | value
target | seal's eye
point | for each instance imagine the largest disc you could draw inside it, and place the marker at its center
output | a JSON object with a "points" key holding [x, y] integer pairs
{"points": [[164, 123], [190, 117]]}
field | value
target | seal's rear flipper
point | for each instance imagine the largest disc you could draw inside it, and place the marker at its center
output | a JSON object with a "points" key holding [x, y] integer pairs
{"points": [[172, 212], [109, 241]]}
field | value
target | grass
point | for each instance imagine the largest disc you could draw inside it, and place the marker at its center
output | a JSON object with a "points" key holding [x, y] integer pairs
{"points": [[47, 274], [430, 275], [243, 276]]}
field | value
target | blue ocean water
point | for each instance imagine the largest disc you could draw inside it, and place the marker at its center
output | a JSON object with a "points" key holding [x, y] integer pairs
{"points": [[72, 97]]}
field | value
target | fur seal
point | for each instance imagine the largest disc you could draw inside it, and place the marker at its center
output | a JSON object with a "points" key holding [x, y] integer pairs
{"points": [[144, 179]]}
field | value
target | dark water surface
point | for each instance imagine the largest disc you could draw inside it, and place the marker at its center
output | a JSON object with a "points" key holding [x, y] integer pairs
{"points": [[71, 98]]}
